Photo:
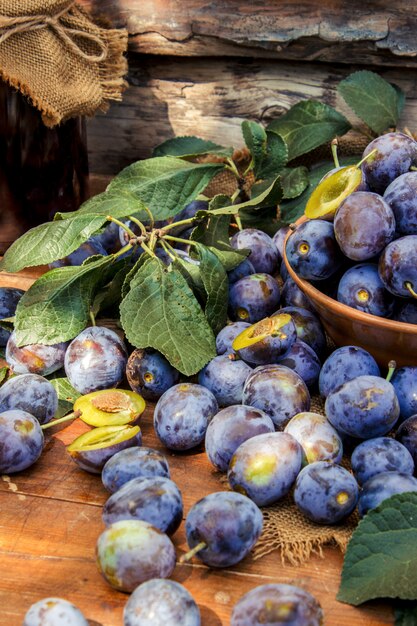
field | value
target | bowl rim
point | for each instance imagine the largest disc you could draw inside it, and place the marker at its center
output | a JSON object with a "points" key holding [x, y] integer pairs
{"points": [[343, 309]]}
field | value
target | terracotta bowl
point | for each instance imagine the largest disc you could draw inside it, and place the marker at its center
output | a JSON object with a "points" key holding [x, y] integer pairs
{"points": [[385, 339]]}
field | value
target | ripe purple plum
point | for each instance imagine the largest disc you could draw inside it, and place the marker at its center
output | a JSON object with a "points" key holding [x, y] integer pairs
{"points": [[401, 195], [379, 455], [404, 381], [344, 364], [243, 269], [225, 377], [292, 296], [383, 486], [279, 239], [395, 154], [267, 340], [406, 311], [225, 526], [363, 225], [182, 415], [131, 552], [160, 602], [91, 247], [254, 297], [150, 374], [361, 288], [278, 391], [35, 358], [187, 213], [21, 440], [304, 361], [135, 462], [229, 428], [398, 267], [325, 492], [95, 359], [312, 250], [407, 435], [317, 437], [9, 299], [54, 612], [277, 605], [155, 500], [226, 336], [365, 407], [264, 254], [265, 467], [308, 327], [31, 393]]}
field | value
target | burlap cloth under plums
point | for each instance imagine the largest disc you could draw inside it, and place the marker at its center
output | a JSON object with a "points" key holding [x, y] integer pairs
{"points": [[54, 53], [285, 527]]}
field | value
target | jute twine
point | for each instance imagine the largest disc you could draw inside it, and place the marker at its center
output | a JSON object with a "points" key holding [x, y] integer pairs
{"points": [[53, 53]]}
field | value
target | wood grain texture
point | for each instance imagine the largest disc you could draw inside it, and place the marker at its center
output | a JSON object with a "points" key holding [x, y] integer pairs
{"points": [[372, 32], [210, 98]]}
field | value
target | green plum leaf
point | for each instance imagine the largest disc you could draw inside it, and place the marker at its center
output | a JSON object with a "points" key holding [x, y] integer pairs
{"points": [[372, 98], [269, 195], [216, 285], [190, 146], [307, 125], [4, 373], [57, 306], [275, 159], [255, 138], [67, 395], [381, 558], [160, 311], [294, 181]]}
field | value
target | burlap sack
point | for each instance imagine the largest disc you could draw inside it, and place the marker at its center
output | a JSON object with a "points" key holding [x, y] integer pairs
{"points": [[59, 58]]}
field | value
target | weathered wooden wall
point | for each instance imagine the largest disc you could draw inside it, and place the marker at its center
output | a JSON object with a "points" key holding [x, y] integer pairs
{"points": [[202, 67]]}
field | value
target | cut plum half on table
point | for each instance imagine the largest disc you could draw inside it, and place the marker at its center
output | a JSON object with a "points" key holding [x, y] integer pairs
{"points": [[267, 339], [110, 407]]}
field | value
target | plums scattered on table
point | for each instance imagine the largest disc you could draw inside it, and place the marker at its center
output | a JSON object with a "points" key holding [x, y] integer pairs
{"points": [[401, 195], [253, 297], [31, 393], [150, 374], [302, 359], [317, 437], [312, 250], [404, 382], [135, 462], [267, 340], [264, 254], [344, 364], [383, 486], [379, 455], [225, 377], [21, 441], [395, 154], [54, 612], [35, 358], [407, 435], [308, 328], [226, 336], [9, 298]]}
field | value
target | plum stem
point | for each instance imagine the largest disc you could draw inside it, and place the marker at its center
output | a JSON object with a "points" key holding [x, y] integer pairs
{"points": [[119, 223], [92, 317], [148, 250], [120, 252], [391, 369], [179, 240], [165, 245], [365, 158], [231, 166], [409, 286], [189, 555], [138, 223], [189, 221], [61, 420], [334, 152]]}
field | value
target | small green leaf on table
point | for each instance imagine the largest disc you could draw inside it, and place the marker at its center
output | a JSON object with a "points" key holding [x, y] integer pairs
{"points": [[381, 558], [190, 146], [67, 395], [307, 125], [373, 99], [161, 311]]}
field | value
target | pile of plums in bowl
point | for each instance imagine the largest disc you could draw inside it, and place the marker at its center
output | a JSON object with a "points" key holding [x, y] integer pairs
{"points": [[354, 252]]}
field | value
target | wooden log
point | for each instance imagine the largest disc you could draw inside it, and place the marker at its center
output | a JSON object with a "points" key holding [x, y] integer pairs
{"points": [[210, 98], [330, 30]]}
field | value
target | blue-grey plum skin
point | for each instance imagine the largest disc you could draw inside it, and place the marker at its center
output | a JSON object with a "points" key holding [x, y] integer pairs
{"points": [[229, 428], [272, 347], [31, 393], [155, 500], [160, 602], [344, 364], [135, 462], [35, 358], [21, 440], [96, 359], [304, 361], [264, 254], [265, 467], [227, 335], [279, 239], [225, 378], [150, 374], [396, 153], [406, 311], [109, 238], [9, 299], [308, 327], [401, 195], [383, 486], [229, 523], [54, 612], [292, 296], [91, 247], [325, 492], [361, 288], [312, 250], [317, 437], [130, 552], [379, 455], [182, 415], [364, 224], [243, 269], [254, 297], [398, 266], [407, 435], [365, 407], [277, 390], [277, 605], [404, 381], [188, 212]]}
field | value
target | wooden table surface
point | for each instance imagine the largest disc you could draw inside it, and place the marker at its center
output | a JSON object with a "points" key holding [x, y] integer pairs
{"points": [[50, 518]]}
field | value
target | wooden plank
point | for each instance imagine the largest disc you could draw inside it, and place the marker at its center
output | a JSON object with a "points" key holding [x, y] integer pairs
{"points": [[211, 98], [329, 31]]}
